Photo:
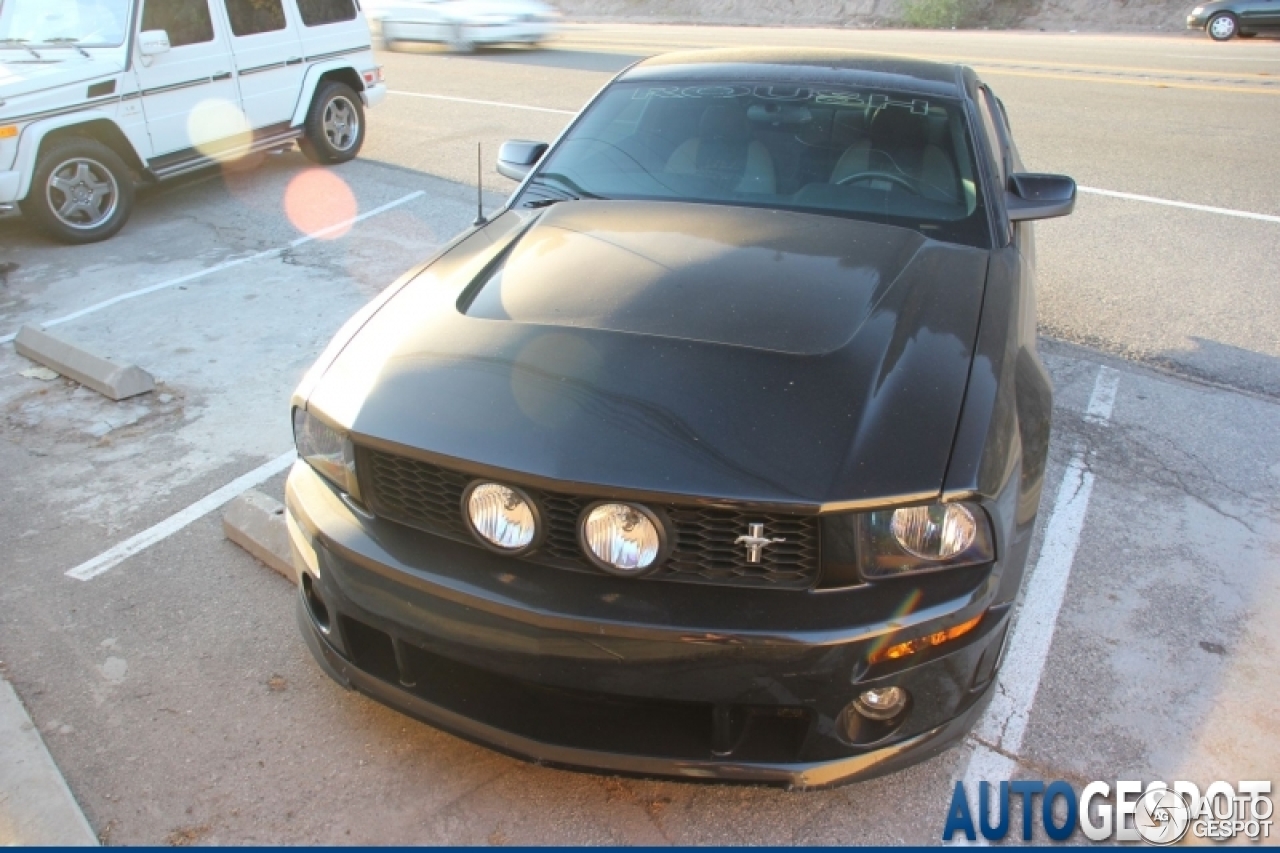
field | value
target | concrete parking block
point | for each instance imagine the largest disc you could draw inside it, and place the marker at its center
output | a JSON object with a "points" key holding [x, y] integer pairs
{"points": [[36, 807], [256, 523], [116, 381]]}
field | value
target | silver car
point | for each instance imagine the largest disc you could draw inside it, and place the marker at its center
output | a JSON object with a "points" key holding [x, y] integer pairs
{"points": [[465, 24]]}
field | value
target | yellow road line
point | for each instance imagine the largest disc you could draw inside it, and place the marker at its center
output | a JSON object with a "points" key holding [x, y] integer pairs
{"points": [[1048, 65], [1153, 82]]}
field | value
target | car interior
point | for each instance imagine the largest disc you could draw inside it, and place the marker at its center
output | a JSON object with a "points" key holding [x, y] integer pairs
{"points": [[865, 154]]}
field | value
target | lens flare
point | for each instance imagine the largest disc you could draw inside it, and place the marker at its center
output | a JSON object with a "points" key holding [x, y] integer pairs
{"points": [[320, 204], [218, 129]]}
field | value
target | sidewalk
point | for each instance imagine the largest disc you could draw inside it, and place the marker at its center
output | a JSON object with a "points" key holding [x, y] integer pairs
{"points": [[36, 807]]}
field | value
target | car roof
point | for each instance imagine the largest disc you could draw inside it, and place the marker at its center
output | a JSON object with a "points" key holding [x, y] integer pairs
{"points": [[806, 65]]}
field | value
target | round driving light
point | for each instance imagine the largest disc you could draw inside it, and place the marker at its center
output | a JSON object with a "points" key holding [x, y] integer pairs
{"points": [[501, 516], [934, 532], [624, 539], [881, 703]]}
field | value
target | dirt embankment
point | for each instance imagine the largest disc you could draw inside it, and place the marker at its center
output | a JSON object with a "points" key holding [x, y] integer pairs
{"points": [[1082, 15]]}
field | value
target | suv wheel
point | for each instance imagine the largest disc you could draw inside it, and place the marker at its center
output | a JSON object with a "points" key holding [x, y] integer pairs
{"points": [[1222, 26], [81, 192], [334, 130]]}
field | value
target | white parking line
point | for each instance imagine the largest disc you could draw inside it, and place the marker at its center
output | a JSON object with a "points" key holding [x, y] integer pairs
{"points": [[1203, 208], [484, 103], [1004, 725], [225, 265], [108, 560]]}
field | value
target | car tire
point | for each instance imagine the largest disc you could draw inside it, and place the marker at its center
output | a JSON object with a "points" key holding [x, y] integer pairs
{"points": [[459, 41], [1222, 26], [334, 130], [388, 35], [81, 192]]}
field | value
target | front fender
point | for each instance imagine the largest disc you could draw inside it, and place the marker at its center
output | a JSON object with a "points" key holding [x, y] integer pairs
{"points": [[34, 134], [312, 80]]}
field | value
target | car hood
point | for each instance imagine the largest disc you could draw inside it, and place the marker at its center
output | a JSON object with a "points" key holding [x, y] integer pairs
{"points": [[22, 75], [687, 350]]}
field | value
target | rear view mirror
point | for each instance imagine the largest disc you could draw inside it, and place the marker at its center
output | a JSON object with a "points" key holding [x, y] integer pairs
{"points": [[1032, 196], [517, 156], [153, 42]]}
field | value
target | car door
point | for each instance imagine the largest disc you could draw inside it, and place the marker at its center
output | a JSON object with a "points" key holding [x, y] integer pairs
{"points": [[268, 58], [189, 94], [419, 20], [1260, 14]]}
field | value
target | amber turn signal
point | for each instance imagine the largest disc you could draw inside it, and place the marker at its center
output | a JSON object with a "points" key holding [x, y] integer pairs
{"points": [[901, 650]]}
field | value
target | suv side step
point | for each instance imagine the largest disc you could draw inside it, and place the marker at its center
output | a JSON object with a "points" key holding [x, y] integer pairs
{"points": [[191, 159]]}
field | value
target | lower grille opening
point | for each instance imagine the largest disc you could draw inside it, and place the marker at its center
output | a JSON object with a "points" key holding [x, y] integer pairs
{"points": [[578, 718], [371, 650], [315, 603]]}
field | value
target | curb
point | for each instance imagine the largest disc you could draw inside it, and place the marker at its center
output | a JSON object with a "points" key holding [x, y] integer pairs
{"points": [[116, 381], [36, 806], [256, 522]]}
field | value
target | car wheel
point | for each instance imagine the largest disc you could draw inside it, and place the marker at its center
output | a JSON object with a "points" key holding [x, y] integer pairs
{"points": [[460, 41], [81, 192], [334, 130], [1222, 26], [389, 37]]}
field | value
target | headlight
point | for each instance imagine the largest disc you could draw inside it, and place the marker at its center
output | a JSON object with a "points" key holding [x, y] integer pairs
{"points": [[923, 538], [326, 450], [1199, 10], [501, 517], [624, 539]]}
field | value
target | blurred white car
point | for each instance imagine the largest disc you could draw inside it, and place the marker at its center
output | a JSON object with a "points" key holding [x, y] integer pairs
{"points": [[464, 24]]}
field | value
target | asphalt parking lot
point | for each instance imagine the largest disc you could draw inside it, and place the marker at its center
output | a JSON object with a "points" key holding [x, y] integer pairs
{"points": [[179, 701]]}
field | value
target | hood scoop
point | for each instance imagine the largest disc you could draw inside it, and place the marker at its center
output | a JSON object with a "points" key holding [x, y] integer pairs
{"points": [[766, 279]]}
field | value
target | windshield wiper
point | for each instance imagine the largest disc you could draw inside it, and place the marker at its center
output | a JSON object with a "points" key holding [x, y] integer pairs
{"points": [[562, 184], [545, 202], [69, 40], [22, 43]]}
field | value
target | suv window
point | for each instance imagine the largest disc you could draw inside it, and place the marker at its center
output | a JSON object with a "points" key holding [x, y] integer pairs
{"points": [[186, 21], [250, 17], [318, 12]]}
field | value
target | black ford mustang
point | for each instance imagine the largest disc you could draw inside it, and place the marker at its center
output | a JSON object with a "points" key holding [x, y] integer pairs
{"points": [[716, 453]]}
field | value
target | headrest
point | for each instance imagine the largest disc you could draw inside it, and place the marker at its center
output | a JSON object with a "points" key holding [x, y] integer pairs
{"points": [[722, 121], [899, 127]]}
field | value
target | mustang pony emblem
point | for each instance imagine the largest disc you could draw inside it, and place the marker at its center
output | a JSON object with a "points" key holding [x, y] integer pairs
{"points": [[756, 541]]}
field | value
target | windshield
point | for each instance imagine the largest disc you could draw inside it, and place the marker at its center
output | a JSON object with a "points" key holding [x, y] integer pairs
{"points": [[61, 23], [868, 154]]}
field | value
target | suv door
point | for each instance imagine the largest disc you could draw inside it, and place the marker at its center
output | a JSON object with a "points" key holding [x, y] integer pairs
{"points": [[268, 57], [189, 94]]}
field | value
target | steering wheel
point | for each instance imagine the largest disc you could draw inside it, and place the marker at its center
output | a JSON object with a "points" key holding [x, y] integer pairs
{"points": [[874, 175]]}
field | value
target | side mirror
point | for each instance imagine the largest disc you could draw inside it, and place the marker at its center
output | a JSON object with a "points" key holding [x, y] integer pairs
{"points": [[1039, 196], [517, 156], [153, 42]]}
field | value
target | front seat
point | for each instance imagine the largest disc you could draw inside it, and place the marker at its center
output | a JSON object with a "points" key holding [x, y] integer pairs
{"points": [[724, 152], [898, 143]]}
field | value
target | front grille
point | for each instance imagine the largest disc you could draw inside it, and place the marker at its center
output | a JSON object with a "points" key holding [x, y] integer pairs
{"points": [[428, 497]]}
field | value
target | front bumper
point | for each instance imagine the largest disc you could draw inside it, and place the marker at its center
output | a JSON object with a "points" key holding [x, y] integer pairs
{"points": [[500, 652], [1197, 22]]}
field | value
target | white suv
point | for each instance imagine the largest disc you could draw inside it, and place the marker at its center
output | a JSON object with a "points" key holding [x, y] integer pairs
{"points": [[98, 94]]}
